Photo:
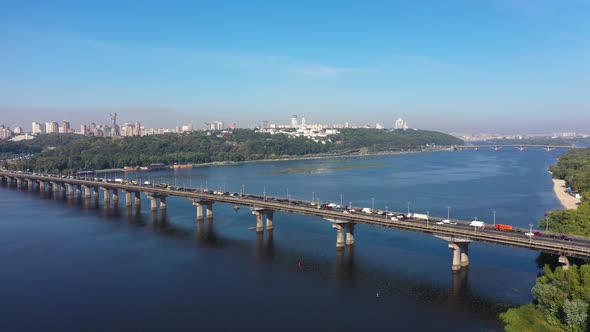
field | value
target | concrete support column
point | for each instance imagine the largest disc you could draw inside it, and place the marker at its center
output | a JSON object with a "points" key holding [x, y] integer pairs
{"points": [[259, 224], [350, 234], [464, 247], [41, 185], [63, 187], [209, 210], [54, 186], [200, 215], [87, 192], [269, 217], [154, 203], [163, 203], [339, 236], [70, 189], [137, 199], [95, 191], [566, 263], [128, 201], [30, 184], [115, 195], [107, 195], [78, 189], [456, 266], [18, 182]]}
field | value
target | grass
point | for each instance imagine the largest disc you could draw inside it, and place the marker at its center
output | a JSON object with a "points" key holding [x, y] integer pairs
{"points": [[526, 319]]}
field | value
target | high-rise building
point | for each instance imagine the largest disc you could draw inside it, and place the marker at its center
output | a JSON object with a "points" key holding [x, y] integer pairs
{"points": [[303, 121], [17, 130], [65, 127], [5, 132], [218, 125], [294, 123], [264, 124], [400, 124], [52, 127], [38, 128]]}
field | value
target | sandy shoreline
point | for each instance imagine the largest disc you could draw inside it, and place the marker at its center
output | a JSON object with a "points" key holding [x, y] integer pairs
{"points": [[567, 201]]}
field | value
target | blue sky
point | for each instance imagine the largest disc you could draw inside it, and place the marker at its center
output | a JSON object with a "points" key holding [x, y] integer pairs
{"points": [[457, 66]]}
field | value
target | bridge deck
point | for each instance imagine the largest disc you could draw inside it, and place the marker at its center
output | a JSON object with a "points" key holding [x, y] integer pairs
{"points": [[580, 248]]}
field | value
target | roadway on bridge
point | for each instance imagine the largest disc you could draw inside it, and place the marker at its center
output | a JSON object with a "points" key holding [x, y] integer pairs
{"points": [[579, 247]]}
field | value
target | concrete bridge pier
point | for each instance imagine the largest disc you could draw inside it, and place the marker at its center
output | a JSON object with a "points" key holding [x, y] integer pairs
{"points": [[30, 184], [269, 217], [128, 201], [18, 182], [259, 224], [565, 261], [137, 199], [199, 206], [200, 203], [154, 203], [339, 236], [41, 185], [456, 266], [115, 195], [162, 203], [107, 195], [349, 234], [78, 190], [464, 247], [95, 192], [210, 210], [87, 192], [54, 186], [70, 189]]}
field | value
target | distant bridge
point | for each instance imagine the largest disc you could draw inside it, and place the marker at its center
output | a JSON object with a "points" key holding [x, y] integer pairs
{"points": [[521, 147], [458, 235]]}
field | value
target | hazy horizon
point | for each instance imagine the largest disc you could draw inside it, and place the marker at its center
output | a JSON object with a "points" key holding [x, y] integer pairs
{"points": [[497, 66]]}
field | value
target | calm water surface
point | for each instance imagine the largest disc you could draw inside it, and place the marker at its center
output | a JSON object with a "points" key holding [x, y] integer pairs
{"points": [[75, 265]]}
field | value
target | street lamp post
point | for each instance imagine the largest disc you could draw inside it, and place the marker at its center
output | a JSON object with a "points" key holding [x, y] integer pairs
{"points": [[427, 218], [264, 193], [408, 209], [494, 213], [530, 231], [448, 213], [340, 199], [313, 197], [385, 212], [372, 204], [546, 223]]}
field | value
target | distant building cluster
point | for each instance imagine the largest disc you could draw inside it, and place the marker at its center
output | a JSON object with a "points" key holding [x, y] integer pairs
{"points": [[400, 124], [296, 127]]}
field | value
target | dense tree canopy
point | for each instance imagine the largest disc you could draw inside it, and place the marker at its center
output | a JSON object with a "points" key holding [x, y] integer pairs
{"points": [[64, 153], [573, 167]]}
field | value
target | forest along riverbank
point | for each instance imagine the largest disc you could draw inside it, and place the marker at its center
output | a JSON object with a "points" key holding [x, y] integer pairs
{"points": [[567, 200]]}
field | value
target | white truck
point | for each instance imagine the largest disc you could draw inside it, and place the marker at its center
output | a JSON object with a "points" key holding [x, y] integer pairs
{"points": [[420, 216], [476, 223], [366, 210]]}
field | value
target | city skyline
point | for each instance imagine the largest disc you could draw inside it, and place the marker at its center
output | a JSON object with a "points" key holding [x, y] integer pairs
{"points": [[502, 66]]}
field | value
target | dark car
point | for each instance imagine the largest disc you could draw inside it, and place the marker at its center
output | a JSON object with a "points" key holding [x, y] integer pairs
{"points": [[538, 233]]}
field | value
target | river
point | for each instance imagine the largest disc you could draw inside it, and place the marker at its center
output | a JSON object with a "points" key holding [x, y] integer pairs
{"points": [[75, 265]]}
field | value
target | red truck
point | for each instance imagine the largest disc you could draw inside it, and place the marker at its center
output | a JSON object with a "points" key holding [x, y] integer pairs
{"points": [[502, 227]]}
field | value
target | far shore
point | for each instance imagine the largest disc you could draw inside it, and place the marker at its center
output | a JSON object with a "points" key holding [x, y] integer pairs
{"points": [[308, 157], [567, 201]]}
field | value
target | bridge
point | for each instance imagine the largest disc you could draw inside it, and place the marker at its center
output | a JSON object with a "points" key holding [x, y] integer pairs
{"points": [[458, 233], [521, 147]]}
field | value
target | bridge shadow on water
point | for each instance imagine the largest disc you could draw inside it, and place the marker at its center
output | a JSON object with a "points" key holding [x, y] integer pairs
{"points": [[341, 268]]}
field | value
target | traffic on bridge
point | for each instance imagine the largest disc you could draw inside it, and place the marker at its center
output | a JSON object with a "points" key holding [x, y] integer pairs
{"points": [[343, 218]]}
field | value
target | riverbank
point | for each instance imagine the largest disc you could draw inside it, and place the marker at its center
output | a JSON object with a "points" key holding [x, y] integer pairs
{"points": [[567, 201]]}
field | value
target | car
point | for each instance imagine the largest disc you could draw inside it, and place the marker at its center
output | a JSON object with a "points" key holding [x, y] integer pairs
{"points": [[567, 238], [538, 233]]}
